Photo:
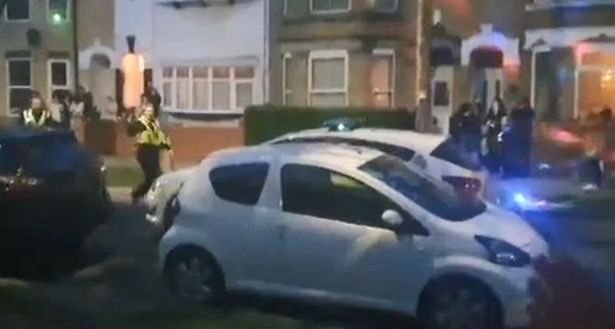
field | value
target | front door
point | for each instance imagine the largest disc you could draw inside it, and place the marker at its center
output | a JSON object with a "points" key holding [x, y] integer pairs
{"points": [[442, 97], [337, 245], [488, 84]]}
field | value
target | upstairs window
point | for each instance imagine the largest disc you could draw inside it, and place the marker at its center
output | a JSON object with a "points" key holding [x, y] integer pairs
{"points": [[58, 11], [17, 10], [329, 6]]}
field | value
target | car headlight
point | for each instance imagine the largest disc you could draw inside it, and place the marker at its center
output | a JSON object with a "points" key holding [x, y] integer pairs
{"points": [[503, 253], [154, 193]]}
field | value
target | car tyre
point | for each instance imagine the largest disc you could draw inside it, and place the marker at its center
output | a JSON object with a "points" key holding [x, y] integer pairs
{"points": [[194, 276], [459, 302]]}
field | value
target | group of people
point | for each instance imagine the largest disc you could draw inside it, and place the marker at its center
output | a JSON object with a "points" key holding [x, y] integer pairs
{"points": [[64, 110], [500, 139], [151, 142]]}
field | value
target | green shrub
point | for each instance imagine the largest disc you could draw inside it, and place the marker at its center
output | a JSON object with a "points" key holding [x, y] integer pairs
{"points": [[262, 123]]}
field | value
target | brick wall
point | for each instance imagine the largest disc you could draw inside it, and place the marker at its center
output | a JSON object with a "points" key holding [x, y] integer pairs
{"points": [[190, 144]]}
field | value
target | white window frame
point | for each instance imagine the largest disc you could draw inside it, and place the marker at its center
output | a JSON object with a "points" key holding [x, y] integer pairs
{"points": [[285, 92], [332, 11], [69, 81], [395, 9], [68, 10], [393, 77], [232, 80], [8, 81], [21, 20], [328, 54]]}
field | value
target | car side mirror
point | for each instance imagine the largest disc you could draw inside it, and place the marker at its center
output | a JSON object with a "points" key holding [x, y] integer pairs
{"points": [[392, 218]]}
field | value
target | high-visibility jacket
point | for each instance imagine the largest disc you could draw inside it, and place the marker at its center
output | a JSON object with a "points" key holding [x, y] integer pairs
{"points": [[152, 134], [29, 118]]}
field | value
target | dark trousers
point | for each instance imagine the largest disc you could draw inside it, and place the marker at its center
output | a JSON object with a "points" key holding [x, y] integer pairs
{"points": [[149, 160]]}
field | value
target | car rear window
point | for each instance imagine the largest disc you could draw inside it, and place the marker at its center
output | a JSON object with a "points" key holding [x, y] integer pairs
{"points": [[241, 184], [450, 152], [402, 153]]}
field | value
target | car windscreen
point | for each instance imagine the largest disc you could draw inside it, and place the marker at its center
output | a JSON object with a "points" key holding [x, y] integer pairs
{"points": [[450, 152], [436, 197], [396, 151], [39, 155]]}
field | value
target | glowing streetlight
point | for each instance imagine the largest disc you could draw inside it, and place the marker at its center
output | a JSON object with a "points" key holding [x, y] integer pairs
{"points": [[56, 19]]}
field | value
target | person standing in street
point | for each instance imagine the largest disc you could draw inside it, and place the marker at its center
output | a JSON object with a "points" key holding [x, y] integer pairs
{"points": [[493, 128], [467, 130], [518, 150], [38, 115], [151, 141]]}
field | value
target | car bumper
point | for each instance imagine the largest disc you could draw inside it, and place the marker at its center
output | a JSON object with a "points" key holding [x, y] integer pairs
{"points": [[523, 295]]}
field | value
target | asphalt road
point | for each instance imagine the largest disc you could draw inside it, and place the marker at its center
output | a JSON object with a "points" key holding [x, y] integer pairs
{"points": [[116, 277]]}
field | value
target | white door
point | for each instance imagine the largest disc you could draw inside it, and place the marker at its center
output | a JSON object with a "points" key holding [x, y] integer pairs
{"points": [[337, 246], [442, 96]]}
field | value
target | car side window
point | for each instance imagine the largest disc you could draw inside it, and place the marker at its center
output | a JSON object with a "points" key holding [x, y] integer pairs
{"points": [[318, 192], [241, 184]]}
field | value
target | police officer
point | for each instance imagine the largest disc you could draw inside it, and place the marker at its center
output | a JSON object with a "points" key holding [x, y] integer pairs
{"points": [[150, 141], [37, 116]]}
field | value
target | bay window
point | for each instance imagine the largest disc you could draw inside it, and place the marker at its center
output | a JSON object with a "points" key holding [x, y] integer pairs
{"points": [[207, 88]]}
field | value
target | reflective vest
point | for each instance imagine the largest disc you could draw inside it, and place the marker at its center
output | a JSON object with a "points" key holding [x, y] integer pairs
{"points": [[153, 134], [30, 119]]}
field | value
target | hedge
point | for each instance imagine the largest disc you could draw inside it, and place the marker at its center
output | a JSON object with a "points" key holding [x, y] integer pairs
{"points": [[262, 123]]}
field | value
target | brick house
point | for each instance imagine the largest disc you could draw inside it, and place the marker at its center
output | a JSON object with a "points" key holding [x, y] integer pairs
{"points": [[38, 49]]}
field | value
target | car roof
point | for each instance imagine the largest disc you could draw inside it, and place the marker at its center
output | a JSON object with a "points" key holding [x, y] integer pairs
{"points": [[423, 143], [11, 132], [338, 155]]}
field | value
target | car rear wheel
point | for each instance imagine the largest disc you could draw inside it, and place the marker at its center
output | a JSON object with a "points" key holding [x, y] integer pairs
{"points": [[459, 303], [194, 276]]}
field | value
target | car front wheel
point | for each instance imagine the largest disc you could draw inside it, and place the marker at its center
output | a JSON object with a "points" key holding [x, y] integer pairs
{"points": [[194, 276], [459, 303]]}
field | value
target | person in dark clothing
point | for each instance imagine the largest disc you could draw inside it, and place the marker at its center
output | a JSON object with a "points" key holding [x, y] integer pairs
{"points": [[85, 97], [38, 115], [150, 141], [495, 122], [518, 146], [466, 129]]}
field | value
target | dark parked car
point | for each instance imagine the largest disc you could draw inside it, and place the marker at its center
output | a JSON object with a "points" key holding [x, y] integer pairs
{"points": [[52, 194]]}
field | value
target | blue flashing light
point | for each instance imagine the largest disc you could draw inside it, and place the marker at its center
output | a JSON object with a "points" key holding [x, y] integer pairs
{"points": [[520, 199], [342, 124]]}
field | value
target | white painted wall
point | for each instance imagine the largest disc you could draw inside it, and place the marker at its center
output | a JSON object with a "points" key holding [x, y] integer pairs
{"points": [[223, 35]]}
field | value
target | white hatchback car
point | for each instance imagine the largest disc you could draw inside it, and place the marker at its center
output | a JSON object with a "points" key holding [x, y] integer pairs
{"points": [[352, 226], [436, 154]]}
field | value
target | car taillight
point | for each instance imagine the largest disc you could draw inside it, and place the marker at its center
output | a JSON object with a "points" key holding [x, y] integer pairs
{"points": [[468, 185]]}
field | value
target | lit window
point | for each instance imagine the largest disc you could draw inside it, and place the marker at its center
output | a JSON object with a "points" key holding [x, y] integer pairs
{"points": [[59, 75], [19, 83], [383, 78], [330, 6], [328, 78], [58, 11], [203, 88], [17, 10], [385, 5]]}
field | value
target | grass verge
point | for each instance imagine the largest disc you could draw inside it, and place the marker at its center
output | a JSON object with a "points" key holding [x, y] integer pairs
{"points": [[124, 176]]}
